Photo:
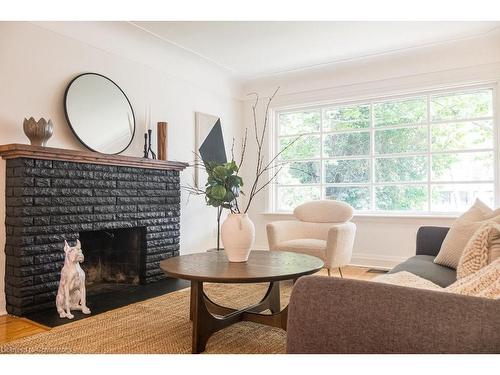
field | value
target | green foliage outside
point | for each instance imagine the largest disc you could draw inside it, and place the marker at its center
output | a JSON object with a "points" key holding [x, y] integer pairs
{"points": [[347, 144], [356, 196], [395, 141], [397, 130], [354, 117], [407, 112], [299, 122]]}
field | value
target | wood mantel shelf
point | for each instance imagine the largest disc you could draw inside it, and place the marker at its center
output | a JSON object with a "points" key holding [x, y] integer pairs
{"points": [[15, 150]]}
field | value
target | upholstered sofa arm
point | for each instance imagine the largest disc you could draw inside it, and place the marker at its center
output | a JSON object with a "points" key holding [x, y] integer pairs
{"points": [[429, 240], [332, 315]]}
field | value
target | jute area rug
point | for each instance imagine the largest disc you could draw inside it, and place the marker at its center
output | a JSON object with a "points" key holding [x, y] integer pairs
{"points": [[161, 326]]}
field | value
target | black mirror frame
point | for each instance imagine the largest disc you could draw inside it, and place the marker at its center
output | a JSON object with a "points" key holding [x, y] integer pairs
{"points": [[71, 126]]}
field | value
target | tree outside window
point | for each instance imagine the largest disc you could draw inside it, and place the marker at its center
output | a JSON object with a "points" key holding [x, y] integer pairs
{"points": [[423, 153]]}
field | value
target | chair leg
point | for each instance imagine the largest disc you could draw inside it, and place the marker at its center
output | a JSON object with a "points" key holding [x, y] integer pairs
{"points": [[329, 273], [341, 273]]}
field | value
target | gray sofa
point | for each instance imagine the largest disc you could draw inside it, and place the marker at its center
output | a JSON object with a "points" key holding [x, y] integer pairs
{"points": [[333, 315], [429, 240]]}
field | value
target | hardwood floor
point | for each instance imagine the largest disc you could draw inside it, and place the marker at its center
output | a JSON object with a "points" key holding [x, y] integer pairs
{"points": [[358, 273], [12, 328]]}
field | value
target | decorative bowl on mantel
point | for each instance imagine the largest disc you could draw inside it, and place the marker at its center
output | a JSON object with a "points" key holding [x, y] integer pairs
{"points": [[39, 131]]}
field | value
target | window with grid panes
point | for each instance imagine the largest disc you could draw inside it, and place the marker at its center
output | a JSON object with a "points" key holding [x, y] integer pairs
{"points": [[424, 153]]}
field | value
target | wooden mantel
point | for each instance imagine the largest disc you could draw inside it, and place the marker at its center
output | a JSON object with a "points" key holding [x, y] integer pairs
{"points": [[12, 151]]}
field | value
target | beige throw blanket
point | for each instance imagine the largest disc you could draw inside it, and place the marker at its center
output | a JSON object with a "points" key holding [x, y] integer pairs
{"points": [[483, 283]]}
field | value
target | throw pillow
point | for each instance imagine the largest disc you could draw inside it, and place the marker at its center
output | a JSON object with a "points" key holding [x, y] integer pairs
{"points": [[482, 249], [494, 246], [462, 230], [483, 283]]}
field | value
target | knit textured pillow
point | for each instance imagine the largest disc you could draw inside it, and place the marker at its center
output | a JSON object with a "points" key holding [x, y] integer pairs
{"points": [[461, 232], [479, 251], [494, 246], [483, 283]]}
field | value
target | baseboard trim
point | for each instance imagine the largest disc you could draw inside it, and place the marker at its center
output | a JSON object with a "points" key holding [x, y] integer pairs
{"points": [[376, 261], [383, 262]]}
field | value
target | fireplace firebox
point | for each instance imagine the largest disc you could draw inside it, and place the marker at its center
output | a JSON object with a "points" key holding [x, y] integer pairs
{"points": [[113, 256]]}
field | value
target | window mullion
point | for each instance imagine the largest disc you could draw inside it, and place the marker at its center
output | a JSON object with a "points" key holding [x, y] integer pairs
{"points": [[372, 158], [276, 147], [322, 193], [429, 145]]}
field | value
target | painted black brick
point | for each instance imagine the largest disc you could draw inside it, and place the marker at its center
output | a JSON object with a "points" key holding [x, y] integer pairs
{"points": [[49, 201], [20, 181], [82, 183], [116, 208], [141, 200]]}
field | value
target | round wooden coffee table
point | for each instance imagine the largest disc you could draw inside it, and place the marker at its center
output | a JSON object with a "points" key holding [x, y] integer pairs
{"points": [[262, 266]]}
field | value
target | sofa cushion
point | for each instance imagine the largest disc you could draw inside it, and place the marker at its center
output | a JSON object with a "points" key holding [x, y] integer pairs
{"points": [[308, 246], [461, 232], [424, 266], [324, 211]]}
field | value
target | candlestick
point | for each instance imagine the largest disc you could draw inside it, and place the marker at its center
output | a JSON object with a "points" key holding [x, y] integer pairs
{"points": [[150, 150], [146, 145], [149, 119]]}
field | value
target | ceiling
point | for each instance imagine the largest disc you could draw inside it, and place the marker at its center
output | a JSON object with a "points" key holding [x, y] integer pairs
{"points": [[253, 49]]}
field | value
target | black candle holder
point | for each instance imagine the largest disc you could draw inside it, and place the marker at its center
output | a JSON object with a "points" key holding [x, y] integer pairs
{"points": [[147, 146]]}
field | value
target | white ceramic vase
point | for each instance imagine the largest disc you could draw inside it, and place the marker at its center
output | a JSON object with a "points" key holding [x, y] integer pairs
{"points": [[238, 236]]}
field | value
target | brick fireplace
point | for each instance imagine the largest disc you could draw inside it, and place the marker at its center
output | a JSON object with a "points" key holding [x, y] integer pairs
{"points": [[113, 204]]}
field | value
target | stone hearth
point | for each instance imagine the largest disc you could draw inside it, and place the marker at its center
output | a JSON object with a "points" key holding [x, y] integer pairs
{"points": [[49, 201]]}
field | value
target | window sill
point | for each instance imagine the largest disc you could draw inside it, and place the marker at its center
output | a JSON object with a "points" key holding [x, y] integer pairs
{"points": [[381, 215]]}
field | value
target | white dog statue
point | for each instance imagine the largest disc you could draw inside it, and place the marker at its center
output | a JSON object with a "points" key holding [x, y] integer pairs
{"points": [[71, 293]]}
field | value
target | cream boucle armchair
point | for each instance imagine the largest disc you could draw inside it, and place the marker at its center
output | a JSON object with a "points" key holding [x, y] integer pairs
{"points": [[322, 229]]}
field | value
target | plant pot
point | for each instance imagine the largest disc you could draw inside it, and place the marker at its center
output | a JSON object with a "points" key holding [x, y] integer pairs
{"points": [[238, 236]]}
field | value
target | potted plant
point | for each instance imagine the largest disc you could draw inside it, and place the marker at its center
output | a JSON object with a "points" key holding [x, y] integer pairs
{"points": [[223, 188]]}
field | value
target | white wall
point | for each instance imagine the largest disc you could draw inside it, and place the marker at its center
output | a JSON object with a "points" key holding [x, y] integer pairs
{"points": [[381, 241], [38, 60]]}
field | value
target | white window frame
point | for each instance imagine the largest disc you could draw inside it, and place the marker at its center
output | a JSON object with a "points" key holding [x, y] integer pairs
{"points": [[274, 146]]}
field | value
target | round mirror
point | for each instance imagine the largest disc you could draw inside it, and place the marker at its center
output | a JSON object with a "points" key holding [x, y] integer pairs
{"points": [[99, 113]]}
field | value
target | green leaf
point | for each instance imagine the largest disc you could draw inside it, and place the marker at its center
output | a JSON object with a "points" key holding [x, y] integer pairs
{"points": [[229, 197], [218, 192], [235, 181], [220, 172], [232, 167]]}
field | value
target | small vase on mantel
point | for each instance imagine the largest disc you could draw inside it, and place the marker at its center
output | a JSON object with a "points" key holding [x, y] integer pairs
{"points": [[238, 236], [39, 131]]}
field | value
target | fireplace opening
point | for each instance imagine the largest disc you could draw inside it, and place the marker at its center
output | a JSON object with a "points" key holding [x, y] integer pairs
{"points": [[113, 256]]}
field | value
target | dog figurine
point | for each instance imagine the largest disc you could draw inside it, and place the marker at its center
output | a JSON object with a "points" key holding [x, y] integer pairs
{"points": [[71, 294]]}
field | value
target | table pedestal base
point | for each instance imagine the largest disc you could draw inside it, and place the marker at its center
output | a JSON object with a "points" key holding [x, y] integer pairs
{"points": [[206, 323]]}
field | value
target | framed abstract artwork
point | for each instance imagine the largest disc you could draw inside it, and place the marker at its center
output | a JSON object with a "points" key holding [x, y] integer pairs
{"points": [[209, 144]]}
